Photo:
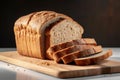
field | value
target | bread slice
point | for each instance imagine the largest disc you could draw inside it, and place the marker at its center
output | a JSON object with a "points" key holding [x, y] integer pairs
{"points": [[83, 41], [68, 58], [94, 58], [57, 55], [33, 25]]}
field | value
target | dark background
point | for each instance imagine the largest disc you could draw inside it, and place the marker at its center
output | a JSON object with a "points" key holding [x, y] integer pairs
{"points": [[99, 18]]}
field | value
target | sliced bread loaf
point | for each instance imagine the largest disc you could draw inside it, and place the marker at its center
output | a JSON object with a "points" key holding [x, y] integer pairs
{"points": [[94, 58], [30, 31], [57, 55], [82, 41], [78, 54]]}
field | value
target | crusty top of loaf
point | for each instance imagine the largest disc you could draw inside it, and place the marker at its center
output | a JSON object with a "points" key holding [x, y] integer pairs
{"points": [[38, 20]]}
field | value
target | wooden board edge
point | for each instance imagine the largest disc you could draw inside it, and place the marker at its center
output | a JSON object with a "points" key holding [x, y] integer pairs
{"points": [[83, 73], [37, 68]]}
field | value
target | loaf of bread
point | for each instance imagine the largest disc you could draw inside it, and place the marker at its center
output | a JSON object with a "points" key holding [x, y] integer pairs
{"points": [[36, 32], [52, 35]]}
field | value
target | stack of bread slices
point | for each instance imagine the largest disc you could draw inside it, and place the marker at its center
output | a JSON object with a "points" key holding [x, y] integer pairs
{"points": [[82, 51], [52, 35]]}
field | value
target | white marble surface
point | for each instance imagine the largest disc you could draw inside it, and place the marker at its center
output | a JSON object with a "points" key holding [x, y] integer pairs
{"points": [[12, 72]]}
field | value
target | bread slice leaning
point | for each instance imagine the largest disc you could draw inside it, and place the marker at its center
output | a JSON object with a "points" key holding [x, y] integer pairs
{"points": [[94, 58], [68, 58], [83, 41]]}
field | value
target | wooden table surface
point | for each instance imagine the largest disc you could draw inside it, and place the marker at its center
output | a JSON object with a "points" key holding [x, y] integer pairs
{"points": [[12, 72]]}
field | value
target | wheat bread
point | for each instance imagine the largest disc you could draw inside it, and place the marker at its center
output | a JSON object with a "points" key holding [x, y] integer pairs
{"points": [[33, 26]]}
